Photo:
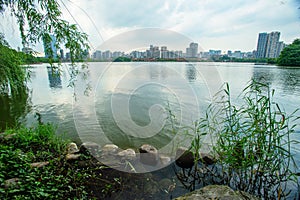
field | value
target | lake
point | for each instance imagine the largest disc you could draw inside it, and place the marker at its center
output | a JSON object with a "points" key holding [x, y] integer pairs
{"points": [[126, 103]]}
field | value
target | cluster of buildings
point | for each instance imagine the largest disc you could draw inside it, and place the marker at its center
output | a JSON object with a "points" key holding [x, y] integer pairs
{"points": [[156, 52], [268, 46]]}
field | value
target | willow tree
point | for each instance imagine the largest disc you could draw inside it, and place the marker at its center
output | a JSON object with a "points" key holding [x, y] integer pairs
{"points": [[37, 21]]}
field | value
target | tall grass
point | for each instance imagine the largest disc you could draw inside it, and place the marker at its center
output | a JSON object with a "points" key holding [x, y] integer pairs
{"points": [[253, 142]]}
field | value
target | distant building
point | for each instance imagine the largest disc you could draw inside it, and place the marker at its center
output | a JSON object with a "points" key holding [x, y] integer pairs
{"points": [[268, 45], [192, 51], [50, 48], [272, 44]]}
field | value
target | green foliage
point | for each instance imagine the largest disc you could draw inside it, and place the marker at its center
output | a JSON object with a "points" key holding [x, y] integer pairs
{"points": [[12, 76], [122, 59], [19, 148], [290, 55]]}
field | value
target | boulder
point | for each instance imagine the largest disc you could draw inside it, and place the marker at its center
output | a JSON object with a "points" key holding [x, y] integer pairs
{"points": [[148, 155], [72, 148], [128, 154], [220, 192], [164, 160], [89, 148], [110, 149], [184, 158]]}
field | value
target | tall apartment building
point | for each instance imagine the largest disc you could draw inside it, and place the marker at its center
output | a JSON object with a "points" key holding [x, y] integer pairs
{"points": [[51, 46], [268, 45], [261, 45], [192, 51]]}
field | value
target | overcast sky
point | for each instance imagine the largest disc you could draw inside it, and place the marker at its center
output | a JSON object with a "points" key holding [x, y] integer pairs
{"points": [[214, 24]]}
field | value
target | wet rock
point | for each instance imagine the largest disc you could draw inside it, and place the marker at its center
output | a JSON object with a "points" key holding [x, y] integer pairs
{"points": [[128, 154], [167, 185], [110, 149], [148, 155], [70, 157], [72, 148], [164, 160], [220, 192], [207, 158], [184, 158], [39, 164], [89, 148], [12, 183]]}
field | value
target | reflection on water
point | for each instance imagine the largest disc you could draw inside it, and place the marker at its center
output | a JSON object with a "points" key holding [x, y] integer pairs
{"points": [[54, 77], [13, 109], [190, 72]]}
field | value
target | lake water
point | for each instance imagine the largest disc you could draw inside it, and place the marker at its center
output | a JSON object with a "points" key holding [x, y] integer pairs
{"points": [[125, 103]]}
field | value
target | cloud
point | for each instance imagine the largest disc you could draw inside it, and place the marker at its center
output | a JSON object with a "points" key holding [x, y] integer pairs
{"points": [[216, 24]]}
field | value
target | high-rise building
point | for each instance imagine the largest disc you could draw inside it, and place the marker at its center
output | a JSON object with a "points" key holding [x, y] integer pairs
{"points": [[192, 51], [261, 45], [268, 45], [50, 48], [272, 44]]}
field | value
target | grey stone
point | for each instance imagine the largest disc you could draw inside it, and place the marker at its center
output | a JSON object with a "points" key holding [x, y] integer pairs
{"points": [[128, 154], [164, 160], [184, 158], [220, 192], [72, 148], [39, 164], [110, 149], [148, 155], [89, 148]]}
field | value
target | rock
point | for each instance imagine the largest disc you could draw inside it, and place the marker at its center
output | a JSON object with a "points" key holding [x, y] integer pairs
{"points": [[72, 157], [39, 164], [184, 158], [12, 183], [220, 192], [72, 148], [128, 154], [164, 160], [150, 187], [207, 158], [110, 149], [89, 148], [167, 185], [148, 155]]}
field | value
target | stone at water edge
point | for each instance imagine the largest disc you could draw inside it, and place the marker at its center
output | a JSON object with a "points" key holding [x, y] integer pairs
{"points": [[110, 149], [184, 158], [221, 192], [148, 155], [165, 160], [128, 154], [72, 148], [89, 148]]}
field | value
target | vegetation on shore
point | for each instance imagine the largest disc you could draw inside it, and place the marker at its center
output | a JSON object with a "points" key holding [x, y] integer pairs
{"points": [[290, 55]]}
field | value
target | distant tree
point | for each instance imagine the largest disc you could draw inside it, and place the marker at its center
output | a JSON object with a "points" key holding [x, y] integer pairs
{"points": [[290, 55]]}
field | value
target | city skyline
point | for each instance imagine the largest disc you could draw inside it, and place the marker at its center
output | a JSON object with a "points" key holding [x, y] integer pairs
{"points": [[213, 24]]}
